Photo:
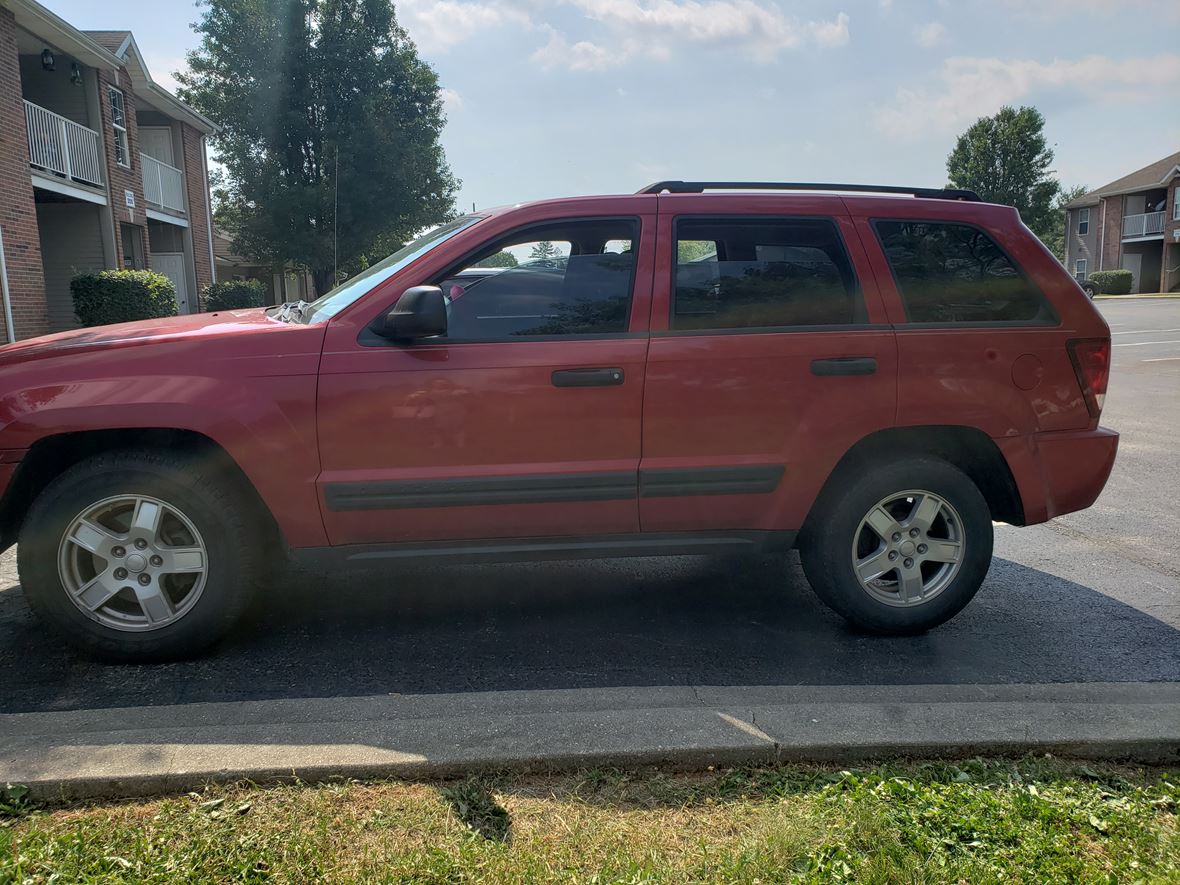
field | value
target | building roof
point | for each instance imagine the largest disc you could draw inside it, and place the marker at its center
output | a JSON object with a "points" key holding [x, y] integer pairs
{"points": [[122, 45], [1153, 175]]}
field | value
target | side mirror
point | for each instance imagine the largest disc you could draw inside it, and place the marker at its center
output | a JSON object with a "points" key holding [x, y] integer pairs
{"points": [[421, 312]]}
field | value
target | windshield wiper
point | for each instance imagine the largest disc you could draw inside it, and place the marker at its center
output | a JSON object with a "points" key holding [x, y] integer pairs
{"points": [[291, 311]]}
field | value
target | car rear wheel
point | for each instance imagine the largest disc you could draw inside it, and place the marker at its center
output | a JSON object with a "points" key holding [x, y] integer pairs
{"points": [[140, 555], [900, 548]]}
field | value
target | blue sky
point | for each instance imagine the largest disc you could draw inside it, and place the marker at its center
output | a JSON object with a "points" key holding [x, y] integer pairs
{"points": [[602, 96]]}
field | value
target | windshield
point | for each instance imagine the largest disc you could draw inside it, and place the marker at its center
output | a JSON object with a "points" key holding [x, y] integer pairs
{"points": [[327, 306]]}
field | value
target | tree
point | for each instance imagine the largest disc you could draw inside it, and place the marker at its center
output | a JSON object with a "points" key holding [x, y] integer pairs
{"points": [[1005, 159], [500, 259], [1054, 238], [543, 249], [311, 94]]}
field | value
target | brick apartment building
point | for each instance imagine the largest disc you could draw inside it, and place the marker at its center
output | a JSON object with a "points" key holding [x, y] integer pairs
{"points": [[100, 167], [1131, 223]]}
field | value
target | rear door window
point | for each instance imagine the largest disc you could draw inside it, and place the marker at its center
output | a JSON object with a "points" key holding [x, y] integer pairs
{"points": [[956, 273], [759, 273]]}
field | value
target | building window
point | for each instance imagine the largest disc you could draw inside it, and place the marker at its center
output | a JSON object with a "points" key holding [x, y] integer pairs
{"points": [[1079, 270], [119, 125], [1083, 222], [1176, 204]]}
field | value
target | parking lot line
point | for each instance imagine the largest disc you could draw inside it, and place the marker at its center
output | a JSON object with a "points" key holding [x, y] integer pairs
{"points": [[1147, 343], [1162, 359], [1146, 332]]}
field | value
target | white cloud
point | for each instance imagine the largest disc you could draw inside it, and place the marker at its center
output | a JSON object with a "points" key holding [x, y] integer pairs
{"points": [[930, 34], [580, 56], [452, 100], [440, 24], [653, 28], [969, 88]]}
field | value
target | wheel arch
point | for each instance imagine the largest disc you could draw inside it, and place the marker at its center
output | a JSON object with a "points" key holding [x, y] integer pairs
{"points": [[968, 448], [52, 455]]}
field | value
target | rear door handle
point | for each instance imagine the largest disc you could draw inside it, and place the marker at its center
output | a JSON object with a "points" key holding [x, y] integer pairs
{"points": [[588, 378], [845, 365]]}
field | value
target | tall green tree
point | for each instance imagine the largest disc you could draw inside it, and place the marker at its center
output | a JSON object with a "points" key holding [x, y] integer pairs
{"points": [[330, 130], [543, 249], [1006, 159]]}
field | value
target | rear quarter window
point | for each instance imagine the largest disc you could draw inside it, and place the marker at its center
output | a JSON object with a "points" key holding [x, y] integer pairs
{"points": [[955, 273]]}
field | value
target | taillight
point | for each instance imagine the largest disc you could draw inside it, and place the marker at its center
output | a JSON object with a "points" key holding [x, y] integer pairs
{"points": [[1091, 362]]}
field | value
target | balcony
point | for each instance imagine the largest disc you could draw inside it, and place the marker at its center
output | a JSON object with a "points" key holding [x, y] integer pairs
{"points": [[63, 147], [163, 185], [1146, 224]]}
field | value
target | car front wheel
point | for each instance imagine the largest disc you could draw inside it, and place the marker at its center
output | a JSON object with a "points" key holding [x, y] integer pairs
{"points": [[140, 555], [900, 548]]}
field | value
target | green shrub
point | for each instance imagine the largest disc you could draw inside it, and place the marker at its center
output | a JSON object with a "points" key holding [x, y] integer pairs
{"points": [[235, 294], [1112, 282], [121, 296]]}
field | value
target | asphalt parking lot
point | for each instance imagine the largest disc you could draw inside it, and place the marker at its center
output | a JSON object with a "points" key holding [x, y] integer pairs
{"points": [[1092, 597]]}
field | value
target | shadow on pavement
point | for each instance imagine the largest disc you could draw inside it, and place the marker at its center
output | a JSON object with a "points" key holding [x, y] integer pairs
{"points": [[640, 622]]}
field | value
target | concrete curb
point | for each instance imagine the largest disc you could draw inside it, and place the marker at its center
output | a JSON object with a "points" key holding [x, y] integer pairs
{"points": [[157, 750], [1137, 297]]}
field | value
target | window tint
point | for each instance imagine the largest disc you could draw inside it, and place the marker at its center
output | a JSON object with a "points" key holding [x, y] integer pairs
{"points": [[736, 273], [568, 278], [955, 273]]}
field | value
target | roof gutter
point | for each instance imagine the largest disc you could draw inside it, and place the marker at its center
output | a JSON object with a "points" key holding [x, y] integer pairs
{"points": [[42, 23]]}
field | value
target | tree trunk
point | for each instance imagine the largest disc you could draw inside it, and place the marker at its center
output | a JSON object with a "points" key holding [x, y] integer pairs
{"points": [[325, 280]]}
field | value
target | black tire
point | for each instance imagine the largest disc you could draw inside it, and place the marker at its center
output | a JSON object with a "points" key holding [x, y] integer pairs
{"points": [[192, 482], [1090, 289], [827, 543]]}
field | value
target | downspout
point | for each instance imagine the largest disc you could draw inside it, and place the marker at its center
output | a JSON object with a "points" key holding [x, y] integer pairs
{"points": [[1102, 236], [208, 207], [9, 329]]}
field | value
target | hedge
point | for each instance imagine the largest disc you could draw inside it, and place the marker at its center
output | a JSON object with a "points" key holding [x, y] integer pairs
{"points": [[121, 296], [1112, 282], [235, 294]]}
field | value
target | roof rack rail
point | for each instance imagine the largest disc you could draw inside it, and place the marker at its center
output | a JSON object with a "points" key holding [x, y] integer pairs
{"points": [[697, 187]]}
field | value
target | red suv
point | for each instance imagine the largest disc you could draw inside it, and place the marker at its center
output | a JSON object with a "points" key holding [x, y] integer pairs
{"points": [[696, 368]]}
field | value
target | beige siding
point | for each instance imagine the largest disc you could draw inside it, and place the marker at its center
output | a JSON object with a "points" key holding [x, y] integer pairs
{"points": [[1082, 246], [71, 242], [53, 89]]}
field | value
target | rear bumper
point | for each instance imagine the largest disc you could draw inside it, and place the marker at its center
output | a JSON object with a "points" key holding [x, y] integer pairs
{"points": [[1059, 473]]}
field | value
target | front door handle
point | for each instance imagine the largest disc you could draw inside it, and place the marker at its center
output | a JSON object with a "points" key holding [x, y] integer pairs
{"points": [[588, 378], [845, 365]]}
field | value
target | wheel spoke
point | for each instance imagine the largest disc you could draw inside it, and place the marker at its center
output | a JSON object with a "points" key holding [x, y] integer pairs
{"points": [[943, 551], [925, 512], [147, 518], [155, 604], [882, 523], [874, 566], [98, 591], [182, 560], [909, 584], [93, 538]]}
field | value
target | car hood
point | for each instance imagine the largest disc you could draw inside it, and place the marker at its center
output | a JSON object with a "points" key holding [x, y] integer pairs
{"points": [[189, 328]]}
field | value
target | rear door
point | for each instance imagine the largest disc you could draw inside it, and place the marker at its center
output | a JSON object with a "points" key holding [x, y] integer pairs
{"points": [[770, 356]]}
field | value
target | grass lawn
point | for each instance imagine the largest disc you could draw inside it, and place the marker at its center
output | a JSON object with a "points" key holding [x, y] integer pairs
{"points": [[1035, 821]]}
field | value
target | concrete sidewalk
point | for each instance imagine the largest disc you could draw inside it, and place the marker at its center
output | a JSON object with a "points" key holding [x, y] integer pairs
{"points": [[147, 750]]}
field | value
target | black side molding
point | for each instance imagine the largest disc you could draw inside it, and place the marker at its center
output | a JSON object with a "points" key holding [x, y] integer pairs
{"points": [[474, 491], [675, 483], [845, 365]]}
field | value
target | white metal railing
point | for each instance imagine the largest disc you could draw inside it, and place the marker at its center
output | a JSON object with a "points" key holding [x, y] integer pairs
{"points": [[1143, 225], [63, 146], [163, 185]]}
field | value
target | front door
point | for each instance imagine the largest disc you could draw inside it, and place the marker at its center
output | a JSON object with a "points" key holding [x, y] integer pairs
{"points": [[171, 265], [523, 421], [770, 357]]}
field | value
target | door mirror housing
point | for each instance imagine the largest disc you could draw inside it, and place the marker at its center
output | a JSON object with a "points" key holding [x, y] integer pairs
{"points": [[421, 312]]}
